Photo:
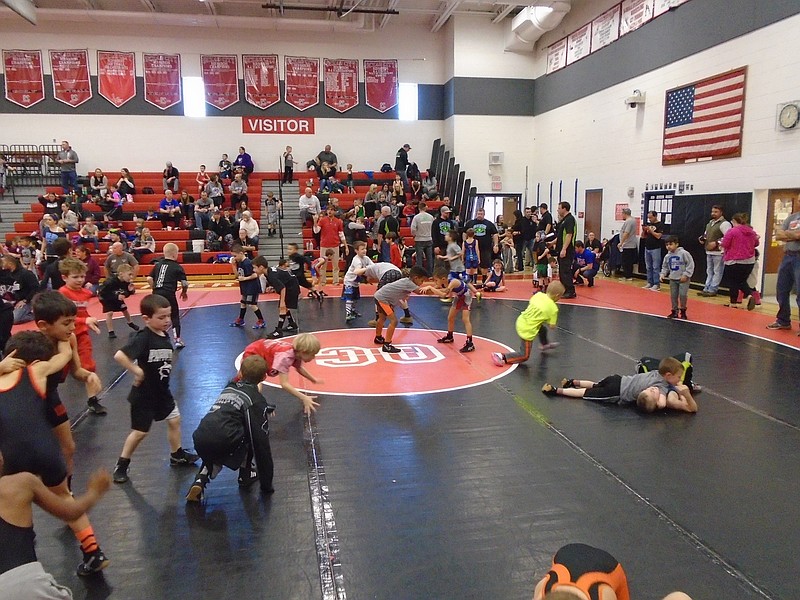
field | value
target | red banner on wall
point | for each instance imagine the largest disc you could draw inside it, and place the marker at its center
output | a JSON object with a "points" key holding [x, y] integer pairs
{"points": [[341, 83], [70, 71], [261, 79], [162, 79], [380, 84], [220, 79], [301, 81], [116, 76], [24, 81]]}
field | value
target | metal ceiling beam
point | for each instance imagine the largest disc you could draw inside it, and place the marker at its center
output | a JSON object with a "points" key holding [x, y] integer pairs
{"points": [[149, 5], [504, 13], [385, 18], [90, 4], [212, 10], [333, 9], [441, 19]]}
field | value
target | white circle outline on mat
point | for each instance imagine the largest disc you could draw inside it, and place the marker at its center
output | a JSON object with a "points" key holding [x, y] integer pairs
{"points": [[238, 361]]}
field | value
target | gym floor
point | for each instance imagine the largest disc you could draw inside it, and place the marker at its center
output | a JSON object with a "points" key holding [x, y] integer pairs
{"points": [[464, 493]]}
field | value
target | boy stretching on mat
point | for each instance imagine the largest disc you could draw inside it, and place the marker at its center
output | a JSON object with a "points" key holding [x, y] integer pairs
{"points": [[651, 391], [391, 294], [460, 292]]}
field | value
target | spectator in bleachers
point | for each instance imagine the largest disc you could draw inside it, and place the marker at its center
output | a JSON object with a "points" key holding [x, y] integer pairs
{"points": [[401, 164], [68, 217], [89, 233], [250, 226], [2, 175], [201, 179], [67, 159], [327, 175], [288, 166], [240, 210], [125, 185], [115, 236], [171, 178], [273, 206], [219, 232], [51, 231], [354, 231], [337, 210], [169, 211], [225, 167], [98, 184], [245, 161], [51, 278], [331, 236], [309, 206], [326, 156], [215, 190], [226, 216], [238, 190], [112, 204], [51, 204], [386, 224], [143, 245], [358, 209], [430, 187], [187, 205], [423, 242], [371, 200], [202, 211], [24, 288], [416, 189], [409, 210], [383, 200], [92, 268], [386, 190], [398, 191], [249, 245], [116, 257]]}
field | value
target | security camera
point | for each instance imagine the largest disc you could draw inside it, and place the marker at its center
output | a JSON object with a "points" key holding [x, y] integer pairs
{"points": [[638, 99]]}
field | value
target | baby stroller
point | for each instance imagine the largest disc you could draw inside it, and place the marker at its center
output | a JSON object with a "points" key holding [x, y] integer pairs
{"points": [[611, 257]]}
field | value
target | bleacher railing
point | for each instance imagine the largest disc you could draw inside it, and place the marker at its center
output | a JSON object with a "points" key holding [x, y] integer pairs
{"points": [[31, 164]]}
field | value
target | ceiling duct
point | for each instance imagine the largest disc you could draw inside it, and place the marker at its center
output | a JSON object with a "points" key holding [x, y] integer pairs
{"points": [[533, 22]]}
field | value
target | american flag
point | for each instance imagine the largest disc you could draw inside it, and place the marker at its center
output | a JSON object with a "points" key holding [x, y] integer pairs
{"points": [[705, 119]]}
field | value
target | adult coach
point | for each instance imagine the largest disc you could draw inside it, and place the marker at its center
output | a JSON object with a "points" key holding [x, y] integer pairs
{"points": [[788, 271], [566, 230], [487, 236], [116, 257], [628, 244], [715, 231]]}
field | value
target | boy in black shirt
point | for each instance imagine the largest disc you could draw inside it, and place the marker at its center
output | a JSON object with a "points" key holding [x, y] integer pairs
{"points": [[150, 397], [235, 431], [249, 286], [164, 279], [112, 296], [297, 266], [285, 284]]}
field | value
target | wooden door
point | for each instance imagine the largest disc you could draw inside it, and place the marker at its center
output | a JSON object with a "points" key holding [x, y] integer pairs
{"points": [[593, 214], [781, 204]]}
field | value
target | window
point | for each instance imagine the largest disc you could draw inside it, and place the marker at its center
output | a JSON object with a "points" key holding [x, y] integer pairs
{"points": [[194, 97], [408, 101]]}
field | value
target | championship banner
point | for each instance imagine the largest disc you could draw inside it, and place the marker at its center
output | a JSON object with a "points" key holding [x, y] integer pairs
{"points": [[162, 79], [605, 28], [635, 13], [70, 72], [556, 56], [380, 84], [116, 76], [220, 79], [341, 83], [261, 79], [24, 81], [579, 44], [302, 81]]}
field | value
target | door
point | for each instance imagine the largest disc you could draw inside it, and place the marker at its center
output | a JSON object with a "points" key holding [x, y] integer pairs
{"points": [[782, 203], [593, 214]]}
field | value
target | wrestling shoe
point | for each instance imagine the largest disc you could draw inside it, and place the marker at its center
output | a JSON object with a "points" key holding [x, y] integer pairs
{"points": [[198, 489], [237, 323], [121, 470], [179, 345], [275, 334], [95, 407], [549, 390], [247, 477], [291, 327], [447, 339], [379, 340], [112, 335], [93, 562], [350, 317], [467, 347], [134, 326], [406, 320], [389, 349], [260, 325], [372, 323], [181, 457], [498, 359], [550, 346]]}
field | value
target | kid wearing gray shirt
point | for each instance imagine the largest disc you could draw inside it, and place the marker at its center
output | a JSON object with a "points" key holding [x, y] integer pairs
{"points": [[677, 269]]}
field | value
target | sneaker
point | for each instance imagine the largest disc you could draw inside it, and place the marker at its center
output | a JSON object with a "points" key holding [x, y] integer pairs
{"points": [[389, 349], [445, 300], [134, 326], [779, 325], [260, 325], [567, 383], [179, 345], [550, 346], [121, 472], [447, 339], [198, 489], [703, 293], [757, 296], [751, 302], [112, 335], [93, 562], [96, 408], [406, 320], [379, 340], [549, 390], [655, 288], [646, 287], [291, 327], [673, 315], [247, 477], [468, 347], [579, 282], [683, 315], [498, 359], [372, 323], [349, 318], [628, 278], [275, 334], [569, 296], [479, 297], [237, 323], [182, 457]]}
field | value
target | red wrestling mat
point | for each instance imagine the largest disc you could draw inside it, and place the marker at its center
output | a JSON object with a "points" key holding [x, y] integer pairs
{"points": [[350, 363]]}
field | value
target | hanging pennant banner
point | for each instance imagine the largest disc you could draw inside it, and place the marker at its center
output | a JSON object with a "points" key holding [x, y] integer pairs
{"points": [[162, 79], [24, 81], [220, 79], [261, 79], [341, 83], [301, 81], [70, 71], [380, 84], [116, 76]]}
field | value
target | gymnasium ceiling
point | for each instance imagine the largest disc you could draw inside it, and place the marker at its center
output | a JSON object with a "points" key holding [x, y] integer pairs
{"points": [[299, 15]]}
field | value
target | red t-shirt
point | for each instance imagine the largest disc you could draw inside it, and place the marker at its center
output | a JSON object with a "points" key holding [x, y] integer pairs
{"points": [[81, 299], [330, 229], [394, 256], [278, 354]]}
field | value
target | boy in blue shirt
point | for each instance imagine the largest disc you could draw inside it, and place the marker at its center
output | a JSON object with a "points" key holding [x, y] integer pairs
{"points": [[249, 286], [584, 264]]}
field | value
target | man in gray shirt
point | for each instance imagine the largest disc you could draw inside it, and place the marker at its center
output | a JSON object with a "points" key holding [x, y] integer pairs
{"points": [[116, 257], [788, 271], [67, 159], [628, 244], [423, 242]]}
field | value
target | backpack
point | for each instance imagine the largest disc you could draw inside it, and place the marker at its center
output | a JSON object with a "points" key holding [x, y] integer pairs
{"points": [[147, 190], [648, 363], [386, 168]]}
